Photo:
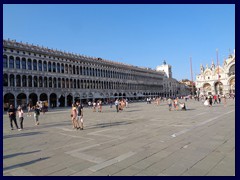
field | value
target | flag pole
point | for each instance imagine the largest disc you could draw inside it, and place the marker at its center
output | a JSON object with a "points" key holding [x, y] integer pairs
{"points": [[191, 75]]}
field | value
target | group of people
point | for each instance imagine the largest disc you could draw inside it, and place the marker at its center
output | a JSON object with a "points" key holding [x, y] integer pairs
{"points": [[121, 104], [208, 101], [176, 104], [97, 106], [13, 112], [77, 116]]}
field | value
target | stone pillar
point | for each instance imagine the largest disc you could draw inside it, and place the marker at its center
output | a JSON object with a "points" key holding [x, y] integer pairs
{"points": [[65, 100]]}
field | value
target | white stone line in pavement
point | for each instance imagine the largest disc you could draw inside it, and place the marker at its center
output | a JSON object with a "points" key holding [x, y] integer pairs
{"points": [[200, 124], [65, 129], [112, 161], [74, 136], [69, 145], [87, 157], [82, 149], [96, 133]]}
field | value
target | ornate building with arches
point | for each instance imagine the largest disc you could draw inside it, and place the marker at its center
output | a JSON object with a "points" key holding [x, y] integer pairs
{"points": [[217, 79], [32, 73]]}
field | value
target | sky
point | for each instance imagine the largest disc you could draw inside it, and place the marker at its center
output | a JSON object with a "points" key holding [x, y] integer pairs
{"points": [[141, 35]]}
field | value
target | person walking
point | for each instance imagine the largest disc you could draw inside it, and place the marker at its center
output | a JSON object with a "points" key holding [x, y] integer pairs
{"points": [[169, 101], [36, 114], [94, 106], [74, 116], [210, 101], [79, 116], [117, 104], [215, 99], [12, 117], [20, 115]]}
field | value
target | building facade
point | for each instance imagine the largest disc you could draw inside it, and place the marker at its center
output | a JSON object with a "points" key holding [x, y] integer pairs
{"points": [[217, 79], [172, 87], [33, 73]]}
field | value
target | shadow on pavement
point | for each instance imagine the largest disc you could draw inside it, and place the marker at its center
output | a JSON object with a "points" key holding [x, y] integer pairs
{"points": [[103, 125], [21, 134], [24, 164], [18, 154]]}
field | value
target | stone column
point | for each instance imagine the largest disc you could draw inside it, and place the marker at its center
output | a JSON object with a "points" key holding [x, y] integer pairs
{"points": [[65, 100]]}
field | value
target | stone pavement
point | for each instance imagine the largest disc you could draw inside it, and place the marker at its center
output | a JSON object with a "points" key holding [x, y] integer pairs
{"points": [[143, 140]]}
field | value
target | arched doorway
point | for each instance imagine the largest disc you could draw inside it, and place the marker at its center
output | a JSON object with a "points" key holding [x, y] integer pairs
{"points": [[53, 100], [33, 98], [22, 100], [218, 87], [69, 100], [61, 101], [207, 90], [232, 86], [43, 97], [8, 99]]}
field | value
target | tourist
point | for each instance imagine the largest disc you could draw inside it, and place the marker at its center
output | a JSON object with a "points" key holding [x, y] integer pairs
{"points": [[117, 105], [12, 116], [219, 99], [74, 116], [175, 103], [169, 101], [36, 114], [215, 99], [79, 116], [94, 106], [210, 101], [20, 115]]}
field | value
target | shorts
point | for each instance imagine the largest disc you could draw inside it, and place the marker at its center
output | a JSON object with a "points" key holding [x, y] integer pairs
{"points": [[80, 118]]}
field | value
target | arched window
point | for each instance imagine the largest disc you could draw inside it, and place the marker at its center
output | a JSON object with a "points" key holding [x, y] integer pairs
{"points": [[24, 65], [54, 67], [5, 80], [58, 68], [24, 81], [45, 82], [59, 82], [29, 64], [50, 82], [40, 82], [17, 62], [44, 66], [18, 81], [35, 81], [62, 68], [74, 69], [54, 82], [77, 70], [81, 71], [40, 65], [66, 68], [12, 80], [35, 65], [63, 83], [11, 62], [70, 69], [5, 61], [75, 84], [67, 83], [29, 81], [49, 67]]}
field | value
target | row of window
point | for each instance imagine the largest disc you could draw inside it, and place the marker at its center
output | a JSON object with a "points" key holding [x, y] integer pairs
{"points": [[29, 64], [53, 82]]}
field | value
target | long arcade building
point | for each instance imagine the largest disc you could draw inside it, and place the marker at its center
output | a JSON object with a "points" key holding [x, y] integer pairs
{"points": [[33, 73]]}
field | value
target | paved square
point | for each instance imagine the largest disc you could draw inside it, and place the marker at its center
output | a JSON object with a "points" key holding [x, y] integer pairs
{"points": [[143, 140]]}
